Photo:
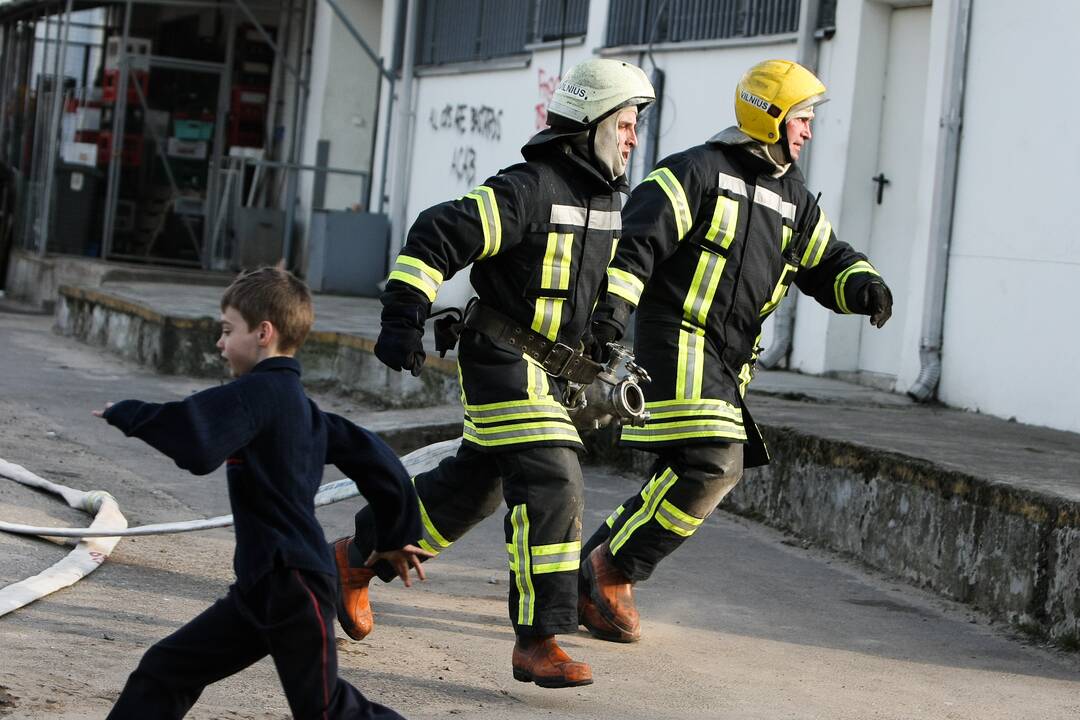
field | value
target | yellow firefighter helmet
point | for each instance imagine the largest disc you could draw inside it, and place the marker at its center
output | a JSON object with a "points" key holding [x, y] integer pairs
{"points": [[767, 93]]}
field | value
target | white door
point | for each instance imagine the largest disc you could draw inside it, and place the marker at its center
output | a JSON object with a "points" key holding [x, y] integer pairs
{"points": [[893, 186]]}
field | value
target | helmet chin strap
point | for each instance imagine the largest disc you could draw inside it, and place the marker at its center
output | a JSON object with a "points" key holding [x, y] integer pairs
{"points": [[781, 149]]}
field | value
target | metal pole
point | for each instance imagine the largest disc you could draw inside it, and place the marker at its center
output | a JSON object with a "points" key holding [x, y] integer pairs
{"points": [[54, 127], [274, 109], [213, 198], [35, 151], [269, 41], [119, 109], [298, 133], [401, 174], [388, 122], [4, 83], [356, 36]]}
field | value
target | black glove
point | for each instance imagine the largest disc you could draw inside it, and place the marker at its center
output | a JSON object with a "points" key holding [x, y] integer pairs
{"points": [[401, 341], [877, 300], [596, 342]]}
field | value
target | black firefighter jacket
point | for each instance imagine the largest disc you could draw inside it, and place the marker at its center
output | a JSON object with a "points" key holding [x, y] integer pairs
{"points": [[707, 254], [539, 235]]}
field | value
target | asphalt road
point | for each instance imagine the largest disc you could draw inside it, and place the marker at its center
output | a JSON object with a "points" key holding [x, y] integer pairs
{"points": [[742, 623]]}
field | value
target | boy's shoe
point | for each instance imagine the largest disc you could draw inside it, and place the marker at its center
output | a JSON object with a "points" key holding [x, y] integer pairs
{"points": [[353, 606], [540, 660], [606, 599]]}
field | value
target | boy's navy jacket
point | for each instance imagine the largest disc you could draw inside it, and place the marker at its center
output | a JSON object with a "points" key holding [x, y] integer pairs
{"points": [[276, 441]]}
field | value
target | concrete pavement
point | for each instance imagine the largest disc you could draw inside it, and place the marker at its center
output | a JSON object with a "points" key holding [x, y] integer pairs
{"points": [[979, 509]]}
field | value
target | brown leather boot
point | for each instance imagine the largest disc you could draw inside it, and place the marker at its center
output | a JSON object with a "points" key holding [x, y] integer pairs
{"points": [[353, 607], [539, 659], [606, 599]]}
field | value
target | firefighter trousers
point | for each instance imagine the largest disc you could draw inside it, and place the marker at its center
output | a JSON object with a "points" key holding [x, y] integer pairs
{"points": [[543, 491], [687, 484]]}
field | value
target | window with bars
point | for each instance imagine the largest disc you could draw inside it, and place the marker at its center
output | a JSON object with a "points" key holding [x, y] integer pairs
{"points": [[638, 22], [454, 31]]}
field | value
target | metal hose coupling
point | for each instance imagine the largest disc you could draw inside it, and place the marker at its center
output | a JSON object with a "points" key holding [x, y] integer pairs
{"points": [[617, 397]]}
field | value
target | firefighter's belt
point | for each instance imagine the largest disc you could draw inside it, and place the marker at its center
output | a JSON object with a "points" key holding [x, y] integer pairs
{"points": [[557, 359]]}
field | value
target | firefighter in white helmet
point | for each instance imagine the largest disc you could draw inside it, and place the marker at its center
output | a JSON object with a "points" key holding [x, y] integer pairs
{"points": [[712, 240], [539, 236]]}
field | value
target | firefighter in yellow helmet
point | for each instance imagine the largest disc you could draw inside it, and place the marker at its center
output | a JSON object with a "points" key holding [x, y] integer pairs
{"points": [[712, 240], [539, 236]]}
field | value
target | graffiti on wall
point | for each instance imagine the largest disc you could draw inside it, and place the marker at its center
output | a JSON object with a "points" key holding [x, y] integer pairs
{"points": [[546, 85], [481, 122]]}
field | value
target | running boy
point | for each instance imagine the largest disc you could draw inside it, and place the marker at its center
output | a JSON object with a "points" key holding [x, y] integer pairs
{"points": [[275, 442]]}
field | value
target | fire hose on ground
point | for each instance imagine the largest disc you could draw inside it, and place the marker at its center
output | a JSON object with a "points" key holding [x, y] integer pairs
{"points": [[109, 525]]}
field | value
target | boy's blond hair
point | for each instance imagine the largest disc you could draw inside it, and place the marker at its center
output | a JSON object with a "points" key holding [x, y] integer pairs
{"points": [[275, 295]]}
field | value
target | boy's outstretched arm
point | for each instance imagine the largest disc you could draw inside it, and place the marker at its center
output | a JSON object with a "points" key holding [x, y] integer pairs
{"points": [[383, 481], [198, 433]]}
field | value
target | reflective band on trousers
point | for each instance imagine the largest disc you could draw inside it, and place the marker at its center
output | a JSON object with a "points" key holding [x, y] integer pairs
{"points": [[652, 495], [860, 266], [677, 521], [417, 273], [489, 219], [560, 557], [431, 540], [539, 419], [675, 193], [521, 564]]}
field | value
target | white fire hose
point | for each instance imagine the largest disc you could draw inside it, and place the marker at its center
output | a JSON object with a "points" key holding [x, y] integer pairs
{"points": [[109, 524]]}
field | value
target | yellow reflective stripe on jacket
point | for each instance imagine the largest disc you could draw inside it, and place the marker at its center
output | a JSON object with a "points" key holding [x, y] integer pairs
{"points": [[489, 219], [516, 410], [707, 274], [521, 563], [554, 275], [624, 285], [417, 273], [745, 376], [519, 433], [652, 496], [818, 240], [724, 221], [690, 370], [860, 266], [559, 557], [431, 540], [671, 420], [675, 193], [779, 291], [537, 383], [676, 520]]}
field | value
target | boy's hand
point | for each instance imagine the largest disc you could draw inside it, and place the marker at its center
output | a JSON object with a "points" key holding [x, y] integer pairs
{"points": [[101, 412], [401, 560]]}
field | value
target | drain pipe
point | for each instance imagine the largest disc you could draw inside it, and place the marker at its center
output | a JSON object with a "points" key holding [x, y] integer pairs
{"points": [[944, 202], [784, 319]]}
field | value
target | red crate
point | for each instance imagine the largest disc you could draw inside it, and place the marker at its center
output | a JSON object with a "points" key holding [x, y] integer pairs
{"points": [[112, 81]]}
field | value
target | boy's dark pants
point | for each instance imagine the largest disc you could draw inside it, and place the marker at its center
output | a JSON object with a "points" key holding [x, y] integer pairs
{"points": [[289, 615]]}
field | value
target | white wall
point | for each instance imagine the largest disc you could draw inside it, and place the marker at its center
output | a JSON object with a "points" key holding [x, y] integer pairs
{"points": [[1011, 343]]}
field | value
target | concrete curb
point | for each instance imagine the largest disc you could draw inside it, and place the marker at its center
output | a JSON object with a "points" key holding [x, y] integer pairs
{"points": [[1010, 552], [174, 345]]}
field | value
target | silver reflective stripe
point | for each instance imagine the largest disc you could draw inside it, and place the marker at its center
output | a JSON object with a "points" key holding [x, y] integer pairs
{"points": [[732, 184], [563, 430], [547, 306], [532, 410], [768, 198], [568, 215], [703, 294], [663, 483], [556, 563], [519, 521], [598, 219], [696, 407]]}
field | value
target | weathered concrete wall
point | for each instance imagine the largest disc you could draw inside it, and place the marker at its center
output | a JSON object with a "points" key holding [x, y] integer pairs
{"points": [[186, 346], [1007, 551]]}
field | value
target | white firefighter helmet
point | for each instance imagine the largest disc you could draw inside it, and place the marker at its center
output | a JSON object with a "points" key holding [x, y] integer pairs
{"points": [[592, 90]]}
